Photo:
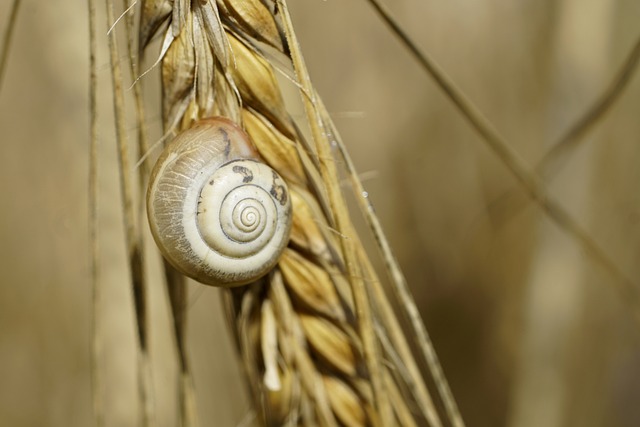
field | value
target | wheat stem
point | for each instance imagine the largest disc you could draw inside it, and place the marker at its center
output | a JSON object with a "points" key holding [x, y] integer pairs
{"points": [[96, 296], [134, 254]]}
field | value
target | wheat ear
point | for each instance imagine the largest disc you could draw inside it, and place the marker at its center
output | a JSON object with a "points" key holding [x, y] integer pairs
{"points": [[312, 335]]}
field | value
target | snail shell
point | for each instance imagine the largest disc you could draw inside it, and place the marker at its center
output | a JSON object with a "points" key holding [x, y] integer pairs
{"points": [[218, 214]]}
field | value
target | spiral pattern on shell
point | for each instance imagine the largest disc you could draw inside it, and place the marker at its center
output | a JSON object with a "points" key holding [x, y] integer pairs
{"points": [[218, 214]]}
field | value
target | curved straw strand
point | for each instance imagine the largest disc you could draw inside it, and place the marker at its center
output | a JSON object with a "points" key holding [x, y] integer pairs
{"points": [[570, 140], [511, 201]]}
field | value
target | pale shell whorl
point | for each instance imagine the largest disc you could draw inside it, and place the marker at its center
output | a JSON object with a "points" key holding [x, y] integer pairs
{"points": [[218, 214]]}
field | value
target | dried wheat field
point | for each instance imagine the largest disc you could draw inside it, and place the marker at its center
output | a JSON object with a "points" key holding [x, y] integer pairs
{"points": [[533, 326]]}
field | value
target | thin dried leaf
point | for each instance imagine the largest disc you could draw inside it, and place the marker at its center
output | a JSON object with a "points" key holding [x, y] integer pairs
{"points": [[178, 75]]}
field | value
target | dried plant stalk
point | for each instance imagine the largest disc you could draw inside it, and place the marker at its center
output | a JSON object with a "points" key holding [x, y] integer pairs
{"points": [[311, 332], [133, 235], [96, 294]]}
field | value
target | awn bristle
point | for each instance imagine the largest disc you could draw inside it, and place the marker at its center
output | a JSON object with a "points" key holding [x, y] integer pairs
{"points": [[300, 329]]}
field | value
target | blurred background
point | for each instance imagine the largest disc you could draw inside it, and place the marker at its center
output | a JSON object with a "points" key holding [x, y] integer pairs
{"points": [[530, 331]]}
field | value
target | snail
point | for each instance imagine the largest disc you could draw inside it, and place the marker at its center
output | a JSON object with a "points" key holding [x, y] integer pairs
{"points": [[218, 214]]}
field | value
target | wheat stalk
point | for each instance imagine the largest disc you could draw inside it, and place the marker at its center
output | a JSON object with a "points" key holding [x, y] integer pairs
{"points": [[310, 334], [96, 296]]}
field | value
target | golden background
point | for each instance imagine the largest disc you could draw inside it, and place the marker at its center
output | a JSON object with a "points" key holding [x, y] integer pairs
{"points": [[530, 331]]}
